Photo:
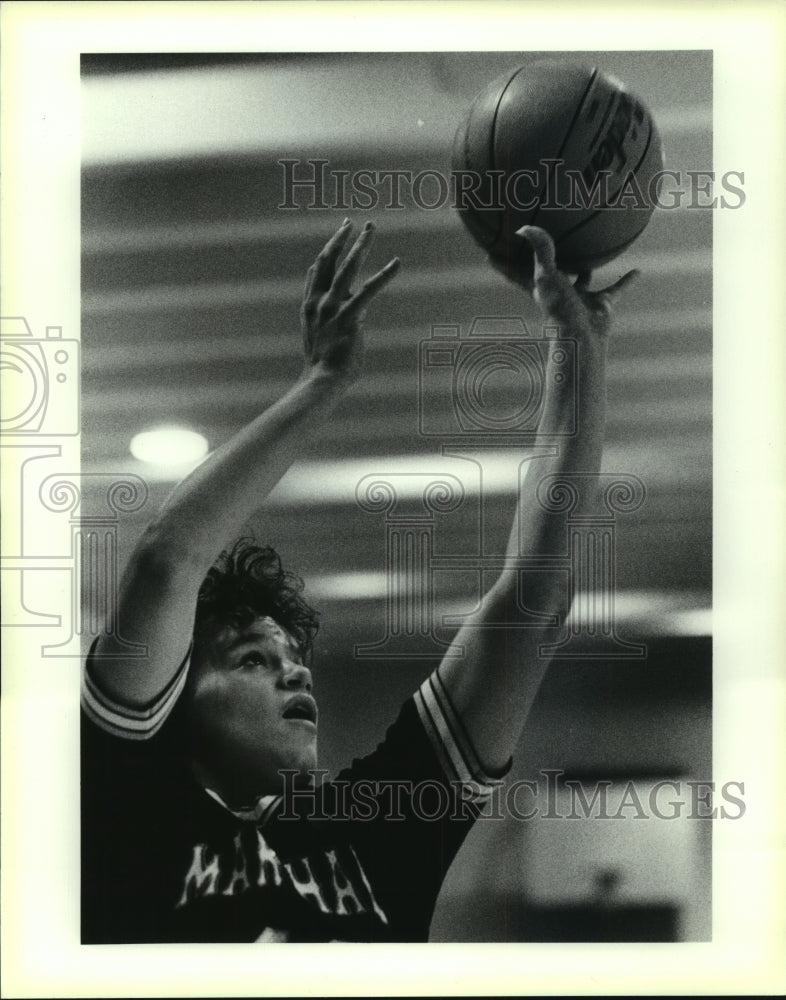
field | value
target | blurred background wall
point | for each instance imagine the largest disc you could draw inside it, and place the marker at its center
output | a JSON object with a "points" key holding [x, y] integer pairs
{"points": [[191, 280]]}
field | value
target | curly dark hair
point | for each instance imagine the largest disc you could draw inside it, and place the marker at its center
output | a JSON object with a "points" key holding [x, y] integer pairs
{"points": [[246, 581]]}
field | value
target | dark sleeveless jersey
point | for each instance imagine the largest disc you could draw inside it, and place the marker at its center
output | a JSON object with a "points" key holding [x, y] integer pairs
{"points": [[359, 858]]}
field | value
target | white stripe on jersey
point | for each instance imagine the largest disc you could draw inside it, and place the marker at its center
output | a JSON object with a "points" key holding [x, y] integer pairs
{"points": [[450, 739], [122, 720], [439, 718]]}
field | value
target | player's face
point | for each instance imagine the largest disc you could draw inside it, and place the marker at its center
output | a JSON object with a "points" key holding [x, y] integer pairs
{"points": [[251, 710]]}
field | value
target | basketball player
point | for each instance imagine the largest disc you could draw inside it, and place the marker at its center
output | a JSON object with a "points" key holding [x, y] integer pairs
{"points": [[188, 751]]}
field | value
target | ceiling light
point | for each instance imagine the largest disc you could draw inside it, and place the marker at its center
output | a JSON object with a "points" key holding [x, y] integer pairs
{"points": [[169, 446]]}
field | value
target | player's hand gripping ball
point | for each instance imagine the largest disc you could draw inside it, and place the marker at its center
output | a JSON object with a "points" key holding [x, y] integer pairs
{"points": [[571, 304], [563, 147]]}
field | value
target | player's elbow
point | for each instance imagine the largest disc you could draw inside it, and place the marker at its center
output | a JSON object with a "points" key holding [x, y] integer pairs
{"points": [[163, 557]]}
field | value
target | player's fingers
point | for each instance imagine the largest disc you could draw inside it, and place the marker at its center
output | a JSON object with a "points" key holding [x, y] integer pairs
{"points": [[543, 246], [581, 283], [601, 301], [308, 305], [613, 290], [309, 284], [325, 264], [352, 263], [372, 286], [553, 290]]}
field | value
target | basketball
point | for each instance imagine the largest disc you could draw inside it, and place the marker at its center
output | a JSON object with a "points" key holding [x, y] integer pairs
{"points": [[564, 147]]}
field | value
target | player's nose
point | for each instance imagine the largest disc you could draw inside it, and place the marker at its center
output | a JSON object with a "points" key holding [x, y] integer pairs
{"points": [[296, 676]]}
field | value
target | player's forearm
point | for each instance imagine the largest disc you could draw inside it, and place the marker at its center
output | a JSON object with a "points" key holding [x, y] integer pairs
{"points": [[204, 514], [158, 594], [535, 530], [208, 508], [495, 683]]}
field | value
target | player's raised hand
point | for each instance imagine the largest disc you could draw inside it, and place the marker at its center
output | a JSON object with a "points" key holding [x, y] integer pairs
{"points": [[571, 304], [332, 314]]}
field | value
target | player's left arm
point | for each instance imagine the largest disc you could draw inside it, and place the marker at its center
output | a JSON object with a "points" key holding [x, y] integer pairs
{"points": [[493, 685]]}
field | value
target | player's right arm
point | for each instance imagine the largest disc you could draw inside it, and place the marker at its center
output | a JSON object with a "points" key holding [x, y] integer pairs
{"points": [[492, 677], [208, 509]]}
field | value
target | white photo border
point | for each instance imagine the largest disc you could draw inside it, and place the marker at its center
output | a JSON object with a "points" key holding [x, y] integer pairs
{"points": [[42, 43]]}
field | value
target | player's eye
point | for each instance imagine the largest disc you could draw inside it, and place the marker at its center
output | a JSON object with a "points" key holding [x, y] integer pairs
{"points": [[253, 659]]}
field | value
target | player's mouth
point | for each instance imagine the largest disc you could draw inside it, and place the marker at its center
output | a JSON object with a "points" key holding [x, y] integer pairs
{"points": [[301, 708]]}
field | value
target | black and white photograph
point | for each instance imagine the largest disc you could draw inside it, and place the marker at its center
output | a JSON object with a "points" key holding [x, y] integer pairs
{"points": [[386, 502]]}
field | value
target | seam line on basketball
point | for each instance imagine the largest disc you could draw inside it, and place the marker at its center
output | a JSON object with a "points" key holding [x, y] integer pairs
{"points": [[493, 139], [597, 212], [609, 104], [569, 129], [616, 250]]}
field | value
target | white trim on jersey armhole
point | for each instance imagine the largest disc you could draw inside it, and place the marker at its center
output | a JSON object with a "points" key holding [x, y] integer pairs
{"points": [[131, 723], [450, 740]]}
